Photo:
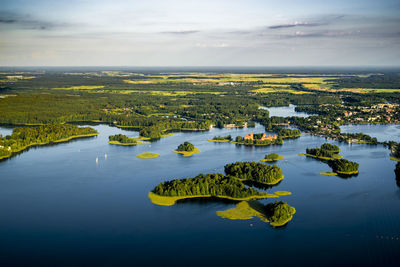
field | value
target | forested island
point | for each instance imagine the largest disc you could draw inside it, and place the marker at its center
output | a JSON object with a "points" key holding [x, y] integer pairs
{"points": [[221, 139], [123, 140], [272, 157], [260, 139], [276, 214], [187, 149], [25, 137], [325, 152], [344, 166], [209, 185], [255, 172], [329, 154], [228, 186]]}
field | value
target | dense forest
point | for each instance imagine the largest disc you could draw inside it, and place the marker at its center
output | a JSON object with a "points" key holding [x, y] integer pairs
{"points": [[203, 185], [326, 151], [254, 171], [343, 166], [186, 146], [120, 138], [278, 213], [23, 137], [222, 138]]}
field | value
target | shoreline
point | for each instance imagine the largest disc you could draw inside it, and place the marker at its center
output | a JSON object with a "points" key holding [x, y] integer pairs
{"points": [[52, 142], [187, 153], [169, 201]]}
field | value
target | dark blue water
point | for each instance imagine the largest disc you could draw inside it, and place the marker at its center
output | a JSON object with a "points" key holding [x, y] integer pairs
{"points": [[59, 208], [381, 132]]}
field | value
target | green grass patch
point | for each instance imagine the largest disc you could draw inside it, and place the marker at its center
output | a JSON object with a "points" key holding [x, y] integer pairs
{"points": [[218, 141], [169, 201], [147, 155], [328, 173], [188, 153]]}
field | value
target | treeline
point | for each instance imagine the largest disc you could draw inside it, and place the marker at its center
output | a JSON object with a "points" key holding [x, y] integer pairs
{"points": [[221, 138], [122, 139], [343, 166], [204, 185], [242, 141], [254, 171], [23, 137], [327, 151], [349, 137]]}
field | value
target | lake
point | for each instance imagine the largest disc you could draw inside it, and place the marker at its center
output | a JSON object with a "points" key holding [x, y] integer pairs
{"points": [[60, 208], [286, 111]]}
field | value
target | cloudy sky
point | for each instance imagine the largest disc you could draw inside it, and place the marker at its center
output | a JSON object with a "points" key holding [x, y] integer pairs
{"points": [[199, 33]]}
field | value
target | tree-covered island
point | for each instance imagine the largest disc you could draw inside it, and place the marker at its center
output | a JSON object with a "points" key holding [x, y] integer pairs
{"points": [[187, 149], [325, 152], [276, 214], [123, 140], [260, 139], [255, 172], [272, 157], [221, 139], [25, 137], [344, 166], [229, 186]]}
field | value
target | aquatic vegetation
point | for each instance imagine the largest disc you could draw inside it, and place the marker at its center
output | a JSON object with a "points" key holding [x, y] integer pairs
{"points": [[328, 173], [188, 153], [147, 155], [276, 214], [282, 193]]}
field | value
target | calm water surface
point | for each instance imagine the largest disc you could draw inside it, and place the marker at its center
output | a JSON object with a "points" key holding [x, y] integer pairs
{"points": [[381, 132], [60, 208], [287, 111]]}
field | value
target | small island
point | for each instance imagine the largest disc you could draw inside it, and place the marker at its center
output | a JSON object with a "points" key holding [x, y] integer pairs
{"points": [[255, 172], [276, 214], [25, 137], [123, 140], [186, 149], [325, 152], [221, 139], [261, 139], [209, 185], [272, 157], [344, 166], [147, 155]]}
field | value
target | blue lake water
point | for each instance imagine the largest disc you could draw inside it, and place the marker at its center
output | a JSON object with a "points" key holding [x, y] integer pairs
{"points": [[287, 111], [59, 207], [381, 132]]}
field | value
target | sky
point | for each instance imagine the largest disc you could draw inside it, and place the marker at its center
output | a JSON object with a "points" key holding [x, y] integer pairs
{"points": [[200, 33]]}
